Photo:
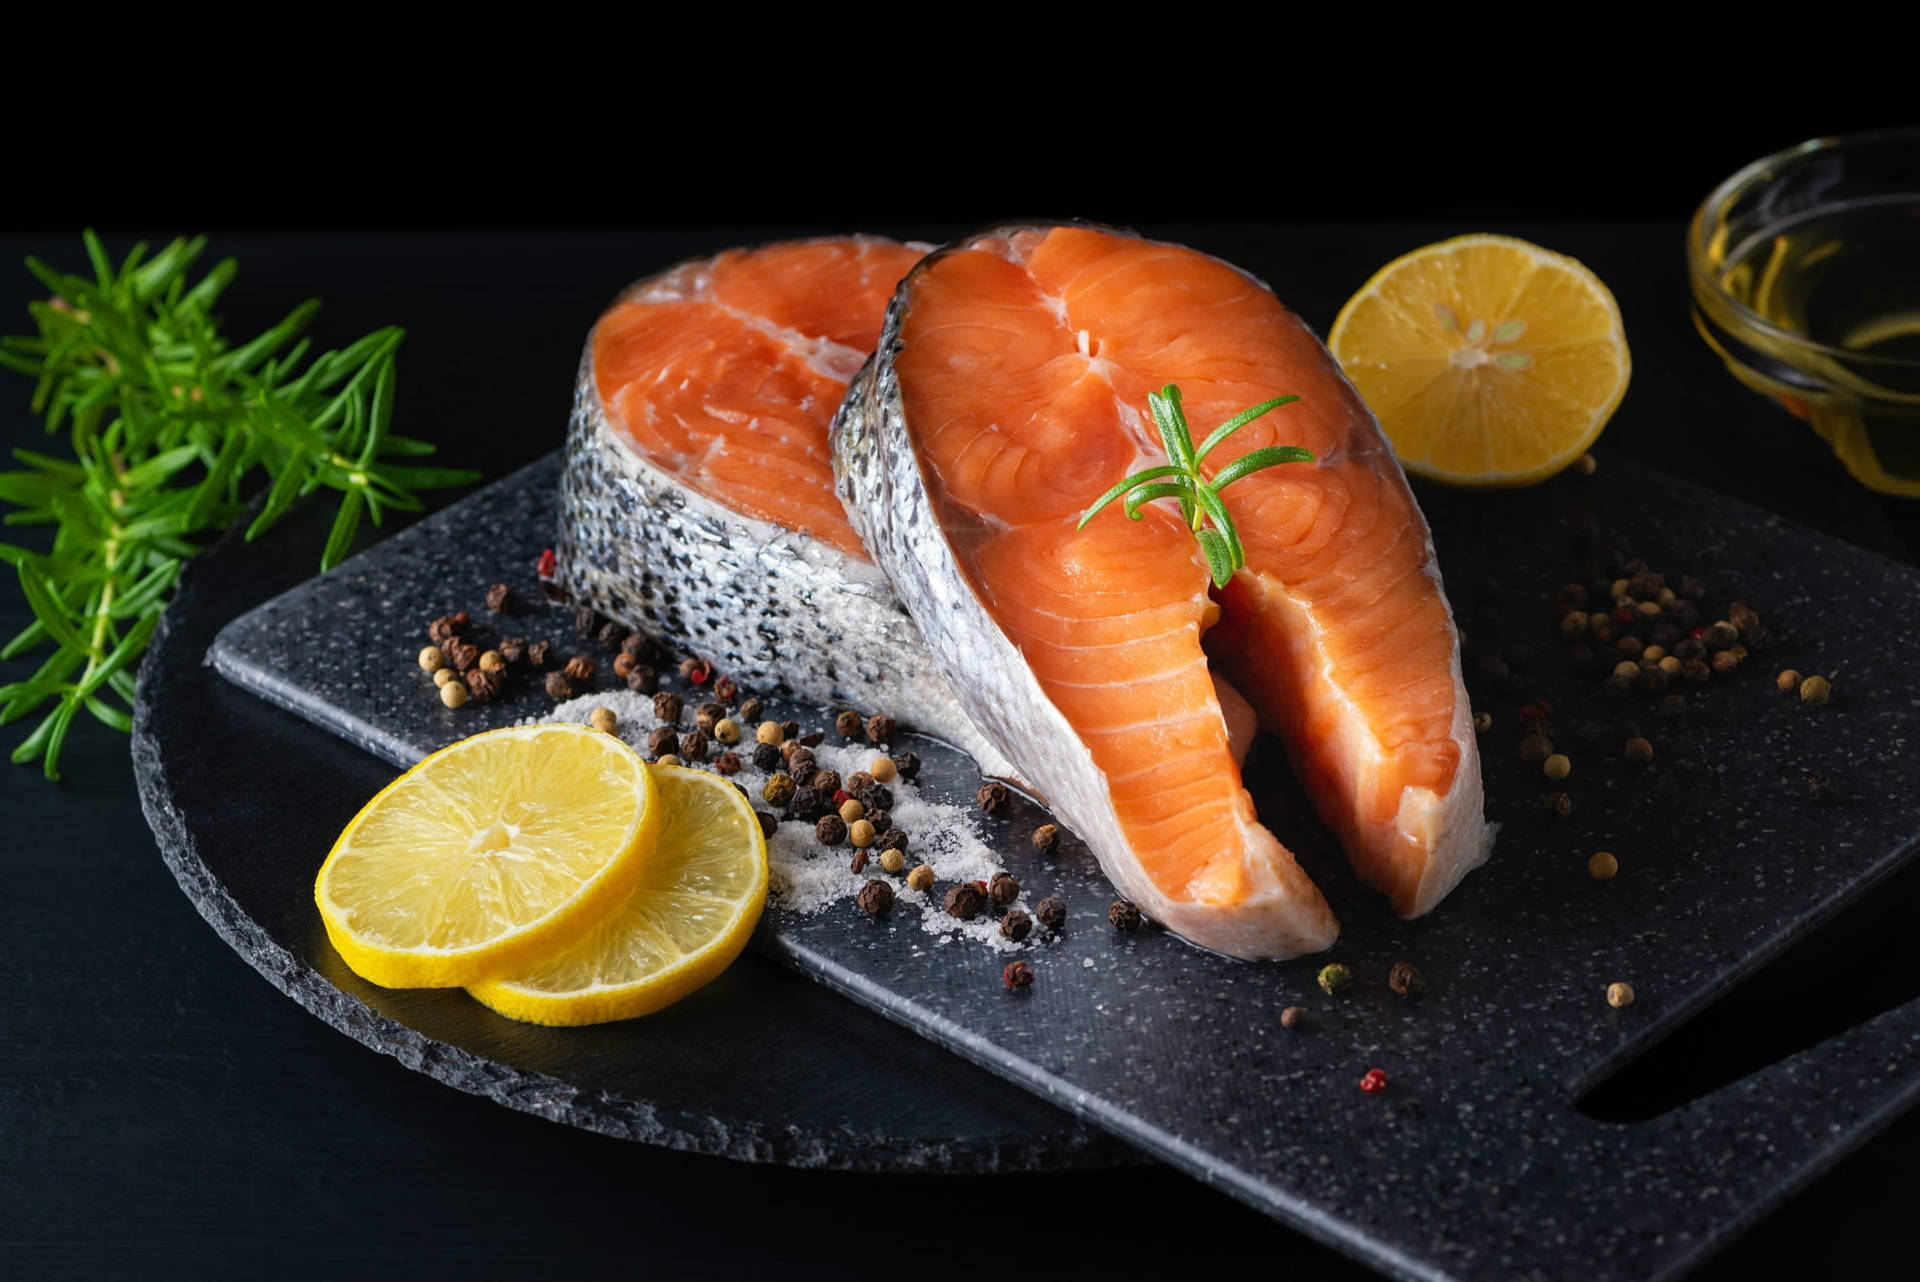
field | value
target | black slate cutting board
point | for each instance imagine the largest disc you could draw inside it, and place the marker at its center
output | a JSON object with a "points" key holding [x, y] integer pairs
{"points": [[1478, 1160]]}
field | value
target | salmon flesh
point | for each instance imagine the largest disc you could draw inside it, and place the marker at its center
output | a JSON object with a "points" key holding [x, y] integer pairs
{"points": [[1008, 392], [697, 495]]}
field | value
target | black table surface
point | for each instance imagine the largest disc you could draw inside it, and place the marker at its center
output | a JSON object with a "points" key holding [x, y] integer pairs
{"points": [[164, 1110]]}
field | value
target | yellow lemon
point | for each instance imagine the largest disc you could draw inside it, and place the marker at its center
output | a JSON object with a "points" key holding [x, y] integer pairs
{"points": [[697, 903], [488, 856], [1489, 361]]}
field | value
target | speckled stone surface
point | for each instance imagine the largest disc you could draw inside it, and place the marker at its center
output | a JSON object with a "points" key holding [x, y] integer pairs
{"points": [[1477, 1161]]}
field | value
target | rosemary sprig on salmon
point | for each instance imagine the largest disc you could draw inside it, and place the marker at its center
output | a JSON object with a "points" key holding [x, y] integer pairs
{"points": [[1181, 479]]}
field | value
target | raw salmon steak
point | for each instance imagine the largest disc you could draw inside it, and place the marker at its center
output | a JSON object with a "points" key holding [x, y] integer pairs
{"points": [[697, 499], [1009, 392]]}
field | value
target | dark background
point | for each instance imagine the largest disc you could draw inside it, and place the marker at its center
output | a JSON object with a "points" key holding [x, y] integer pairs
{"points": [[164, 1111]]}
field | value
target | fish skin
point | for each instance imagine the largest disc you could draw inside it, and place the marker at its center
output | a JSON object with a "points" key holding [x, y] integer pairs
{"points": [[884, 489], [770, 606]]}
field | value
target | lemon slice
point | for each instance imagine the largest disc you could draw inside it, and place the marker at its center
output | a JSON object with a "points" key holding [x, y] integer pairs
{"points": [[698, 900], [489, 855], [1489, 361]]}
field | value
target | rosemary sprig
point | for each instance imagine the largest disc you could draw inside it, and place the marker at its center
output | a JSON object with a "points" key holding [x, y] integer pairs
{"points": [[169, 425], [1181, 479]]}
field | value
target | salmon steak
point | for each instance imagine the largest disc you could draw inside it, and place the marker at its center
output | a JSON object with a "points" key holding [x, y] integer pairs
{"points": [[1008, 393], [697, 497]]}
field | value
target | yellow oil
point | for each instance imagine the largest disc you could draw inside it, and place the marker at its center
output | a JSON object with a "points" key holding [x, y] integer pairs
{"points": [[1848, 278]]}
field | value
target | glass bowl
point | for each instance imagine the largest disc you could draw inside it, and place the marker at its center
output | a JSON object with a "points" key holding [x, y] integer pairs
{"points": [[1805, 274]]}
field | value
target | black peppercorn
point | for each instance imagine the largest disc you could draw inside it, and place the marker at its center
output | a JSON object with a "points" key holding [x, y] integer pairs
{"points": [[1016, 926], [1003, 889], [908, 764], [805, 772], [1822, 789], [1405, 981], [812, 739], [693, 746], [848, 725], [727, 763], [766, 756], [447, 627], [891, 839], [642, 679], [791, 730], [708, 715], [460, 654], [810, 803], [875, 796], [637, 646], [558, 686], [1293, 1017], [1124, 915], [831, 830], [750, 710], [768, 824], [540, 654], [1618, 686], [1534, 749], [1673, 708], [1046, 838], [880, 819], [667, 707], [1052, 912], [992, 797], [663, 741], [880, 728], [612, 633], [580, 668], [1017, 975], [1557, 804], [587, 620], [1652, 680], [875, 898], [827, 781], [514, 649], [963, 901]]}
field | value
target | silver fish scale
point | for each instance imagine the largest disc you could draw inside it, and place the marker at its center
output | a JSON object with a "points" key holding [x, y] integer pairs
{"points": [[773, 608]]}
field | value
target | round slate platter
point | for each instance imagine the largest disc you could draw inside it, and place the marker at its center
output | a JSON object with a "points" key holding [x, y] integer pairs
{"points": [[763, 1065]]}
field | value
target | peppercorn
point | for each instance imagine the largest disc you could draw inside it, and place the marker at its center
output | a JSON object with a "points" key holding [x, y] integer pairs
{"points": [[1046, 838], [1016, 926], [793, 750], [623, 665], [892, 860], [445, 675], [1639, 752], [1628, 647], [484, 684], [766, 757], [1619, 995], [689, 666], [612, 634], [449, 626], [1003, 889], [1786, 683], [1822, 789], [726, 730], [828, 781], [809, 803], [727, 763], [693, 746], [1557, 804], [992, 797], [1405, 981], [1124, 915], [1373, 1081], [1293, 1017], [806, 773], [1618, 686], [1557, 767], [1725, 663], [664, 739], [861, 833], [1602, 866], [1815, 691], [540, 653], [963, 901], [848, 724], [859, 861], [1721, 635], [1588, 733], [851, 810], [1573, 624], [791, 730], [882, 770], [580, 668], [1696, 671], [1653, 654], [1017, 975], [874, 796], [453, 694], [602, 719], [778, 790], [768, 824], [1651, 681], [708, 715], [1334, 979], [667, 707], [431, 660], [908, 764], [769, 733], [891, 837], [726, 689], [1052, 912], [461, 655], [1673, 708], [921, 878], [641, 679], [1619, 588], [1535, 748], [558, 686], [880, 728], [1670, 666], [1482, 722], [1691, 588], [1626, 668], [875, 898], [750, 711]]}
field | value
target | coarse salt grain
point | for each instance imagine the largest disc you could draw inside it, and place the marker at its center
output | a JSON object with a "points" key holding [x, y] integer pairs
{"points": [[805, 876]]}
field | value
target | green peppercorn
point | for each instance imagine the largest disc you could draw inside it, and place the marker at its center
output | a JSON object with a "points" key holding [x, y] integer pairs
{"points": [[1815, 691], [778, 790], [1334, 979]]}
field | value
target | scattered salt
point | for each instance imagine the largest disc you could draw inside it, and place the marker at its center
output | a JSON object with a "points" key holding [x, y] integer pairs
{"points": [[807, 877]]}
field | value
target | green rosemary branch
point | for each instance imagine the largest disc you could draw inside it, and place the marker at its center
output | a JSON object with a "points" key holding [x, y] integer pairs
{"points": [[169, 426], [1181, 479]]}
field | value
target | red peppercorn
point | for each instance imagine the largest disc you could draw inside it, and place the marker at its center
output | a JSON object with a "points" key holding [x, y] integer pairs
{"points": [[841, 796], [1698, 634], [1373, 1082], [545, 566], [699, 673], [1017, 975]]}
